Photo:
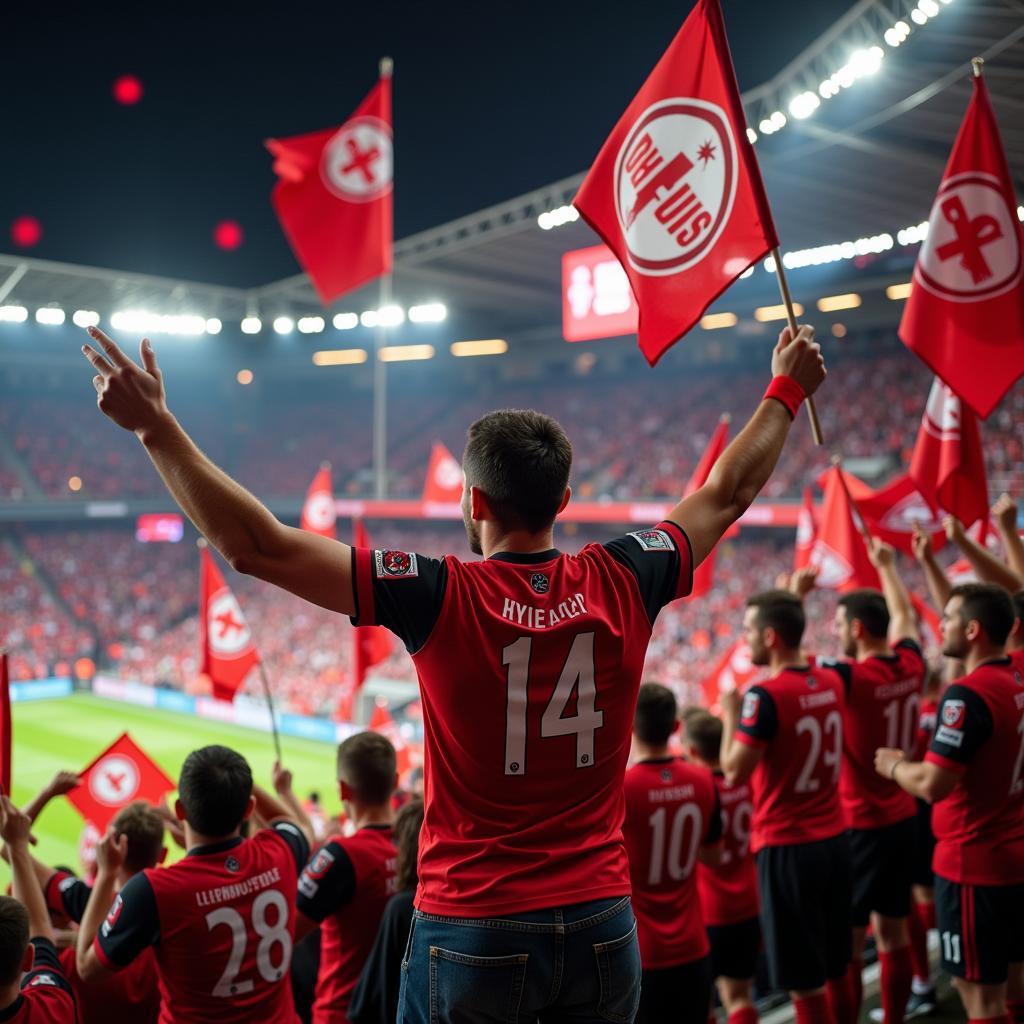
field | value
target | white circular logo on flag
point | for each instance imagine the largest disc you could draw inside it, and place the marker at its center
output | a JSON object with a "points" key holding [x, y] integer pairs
{"points": [[320, 511], [804, 528], [114, 780], [942, 413], [357, 163], [972, 251], [909, 510], [448, 473], [833, 569], [226, 627], [675, 182]]}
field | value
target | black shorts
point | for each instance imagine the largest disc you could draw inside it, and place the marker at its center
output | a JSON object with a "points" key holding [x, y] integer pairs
{"points": [[679, 994], [981, 929], [734, 948], [883, 870], [805, 911], [925, 849]]}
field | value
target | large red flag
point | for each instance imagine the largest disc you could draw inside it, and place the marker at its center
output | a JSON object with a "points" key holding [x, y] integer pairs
{"points": [[676, 192], [965, 314], [890, 514], [704, 573], [122, 774], [382, 722], [929, 622], [443, 485], [334, 196], [806, 533], [228, 653], [839, 551], [318, 512], [6, 735], [733, 672], [948, 466]]}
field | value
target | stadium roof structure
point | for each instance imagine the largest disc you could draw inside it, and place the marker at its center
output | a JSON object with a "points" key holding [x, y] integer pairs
{"points": [[864, 120]]}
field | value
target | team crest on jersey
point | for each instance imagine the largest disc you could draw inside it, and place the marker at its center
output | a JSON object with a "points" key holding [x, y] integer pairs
{"points": [[320, 864], [540, 583], [395, 565], [653, 540], [66, 883], [666, 775], [751, 703], [115, 913], [42, 979], [953, 714], [232, 865]]}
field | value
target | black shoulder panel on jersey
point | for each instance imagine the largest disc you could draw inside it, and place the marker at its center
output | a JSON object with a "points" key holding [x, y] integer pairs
{"points": [[327, 882], [296, 840], [653, 558], [132, 924], [759, 717], [962, 724], [906, 644], [46, 970], [843, 668]]}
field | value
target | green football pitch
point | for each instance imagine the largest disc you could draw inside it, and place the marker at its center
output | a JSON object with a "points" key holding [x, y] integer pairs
{"points": [[50, 735]]}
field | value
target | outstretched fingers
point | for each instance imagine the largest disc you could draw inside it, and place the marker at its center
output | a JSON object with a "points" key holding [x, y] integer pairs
{"points": [[113, 353], [100, 364], [148, 357]]}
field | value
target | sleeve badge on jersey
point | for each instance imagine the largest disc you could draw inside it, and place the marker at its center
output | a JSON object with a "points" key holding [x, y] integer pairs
{"points": [[951, 737], [653, 540], [954, 712], [320, 864], [42, 979], [66, 883], [751, 703], [395, 565], [115, 913]]}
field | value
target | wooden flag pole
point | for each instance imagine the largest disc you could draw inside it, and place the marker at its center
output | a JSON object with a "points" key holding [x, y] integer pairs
{"points": [[270, 708], [787, 300]]}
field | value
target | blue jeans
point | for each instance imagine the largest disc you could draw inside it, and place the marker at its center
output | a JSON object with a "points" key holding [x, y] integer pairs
{"points": [[578, 964]]}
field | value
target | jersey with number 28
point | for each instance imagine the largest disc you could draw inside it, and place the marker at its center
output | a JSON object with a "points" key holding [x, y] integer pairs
{"points": [[529, 667]]}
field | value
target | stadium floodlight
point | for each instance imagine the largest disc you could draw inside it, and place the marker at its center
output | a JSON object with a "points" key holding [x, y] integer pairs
{"points": [[557, 217], [749, 272], [484, 347], [345, 321], [803, 105], [13, 314], [778, 120], [339, 357], [311, 324], [390, 316], [897, 292], [716, 321], [751, 136], [85, 318], [428, 313], [140, 321], [244, 377], [913, 234], [930, 7], [903, 28], [765, 314], [892, 37], [404, 353], [834, 303], [369, 318], [213, 325], [918, 16], [766, 127], [50, 315], [251, 325], [1020, 213], [284, 324]]}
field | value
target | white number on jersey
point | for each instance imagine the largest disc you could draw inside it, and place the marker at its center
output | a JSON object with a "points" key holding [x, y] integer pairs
{"points": [[894, 735], [737, 825], [678, 868], [271, 935], [808, 782]]}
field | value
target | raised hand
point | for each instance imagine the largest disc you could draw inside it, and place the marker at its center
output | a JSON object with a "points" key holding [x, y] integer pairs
{"points": [[282, 778], [63, 782], [131, 395], [1005, 513], [15, 825], [921, 543], [804, 580], [111, 852], [880, 553], [800, 358], [954, 529]]}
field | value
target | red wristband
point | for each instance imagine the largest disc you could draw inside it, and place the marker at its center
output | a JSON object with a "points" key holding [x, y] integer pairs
{"points": [[786, 390]]}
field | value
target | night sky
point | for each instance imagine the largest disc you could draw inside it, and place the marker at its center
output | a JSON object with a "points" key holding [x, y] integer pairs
{"points": [[491, 100]]}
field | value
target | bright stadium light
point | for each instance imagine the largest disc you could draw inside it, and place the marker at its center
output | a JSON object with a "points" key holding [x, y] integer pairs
{"points": [[765, 314], [339, 357], [716, 321], [390, 316], [484, 347], [13, 314], [404, 353], [369, 318], [929, 7], [804, 105], [834, 303], [85, 318], [897, 292], [50, 315], [213, 325], [918, 16], [751, 135], [345, 321], [252, 325], [284, 324], [913, 234], [140, 321], [428, 313], [892, 37], [556, 218], [311, 324]]}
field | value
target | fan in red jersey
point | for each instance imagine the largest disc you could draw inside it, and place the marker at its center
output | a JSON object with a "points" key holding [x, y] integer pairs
{"points": [[33, 988], [221, 921], [728, 890], [673, 817], [974, 774], [346, 885], [884, 677], [787, 739], [529, 663]]}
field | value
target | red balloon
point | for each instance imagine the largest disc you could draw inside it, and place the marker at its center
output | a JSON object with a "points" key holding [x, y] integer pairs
{"points": [[26, 232], [127, 90], [228, 235]]}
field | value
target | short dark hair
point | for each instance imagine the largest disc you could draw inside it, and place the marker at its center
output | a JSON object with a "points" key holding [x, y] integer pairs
{"points": [[988, 604], [144, 828], [782, 611], [13, 939], [521, 460], [367, 763], [655, 717], [868, 607], [408, 822], [704, 732], [214, 788]]}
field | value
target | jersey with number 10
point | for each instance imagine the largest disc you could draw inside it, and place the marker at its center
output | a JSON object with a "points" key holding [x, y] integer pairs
{"points": [[529, 667]]}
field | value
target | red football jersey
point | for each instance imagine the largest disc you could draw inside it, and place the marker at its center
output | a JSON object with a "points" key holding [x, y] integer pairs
{"points": [[672, 810], [883, 700], [345, 888], [1017, 659], [222, 924], [926, 719], [45, 996], [979, 827], [797, 719], [728, 892], [529, 667]]}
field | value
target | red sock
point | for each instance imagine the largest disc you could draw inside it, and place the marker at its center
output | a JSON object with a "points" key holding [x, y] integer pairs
{"points": [[744, 1015], [856, 980], [925, 914], [897, 972], [1016, 1010], [841, 1000], [920, 964], [814, 1010]]}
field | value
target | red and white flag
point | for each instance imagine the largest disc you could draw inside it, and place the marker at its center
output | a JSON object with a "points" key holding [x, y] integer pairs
{"points": [[948, 466], [806, 532], [839, 551], [443, 485], [929, 622], [703, 575], [334, 196], [319, 513], [734, 671], [676, 192], [228, 653], [6, 735], [965, 314], [890, 515], [122, 774], [985, 533], [382, 722]]}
